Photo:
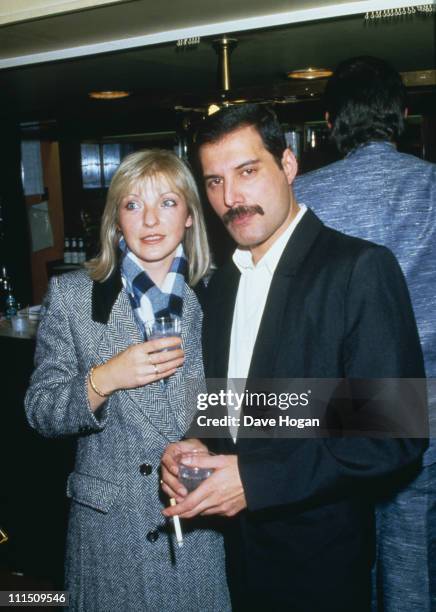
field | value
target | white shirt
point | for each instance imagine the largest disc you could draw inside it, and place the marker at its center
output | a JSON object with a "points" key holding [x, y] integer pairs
{"points": [[252, 293], [253, 290]]}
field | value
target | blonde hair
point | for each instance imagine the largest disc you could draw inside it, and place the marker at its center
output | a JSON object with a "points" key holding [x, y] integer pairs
{"points": [[137, 167]]}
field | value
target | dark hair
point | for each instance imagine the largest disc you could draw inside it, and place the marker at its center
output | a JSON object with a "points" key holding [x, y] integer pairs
{"points": [[231, 118], [365, 99]]}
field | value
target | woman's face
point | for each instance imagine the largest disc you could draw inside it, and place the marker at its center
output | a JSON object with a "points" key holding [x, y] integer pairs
{"points": [[153, 218]]}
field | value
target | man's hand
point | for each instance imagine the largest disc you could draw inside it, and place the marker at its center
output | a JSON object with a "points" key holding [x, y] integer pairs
{"points": [[170, 469], [222, 493]]}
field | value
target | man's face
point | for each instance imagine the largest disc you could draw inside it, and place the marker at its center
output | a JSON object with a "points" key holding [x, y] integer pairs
{"points": [[248, 190]]}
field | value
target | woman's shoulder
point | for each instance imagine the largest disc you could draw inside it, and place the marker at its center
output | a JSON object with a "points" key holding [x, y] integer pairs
{"points": [[75, 277], [75, 284], [193, 299]]}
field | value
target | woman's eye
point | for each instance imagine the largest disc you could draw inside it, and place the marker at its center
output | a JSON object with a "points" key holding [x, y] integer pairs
{"points": [[169, 203], [132, 205]]}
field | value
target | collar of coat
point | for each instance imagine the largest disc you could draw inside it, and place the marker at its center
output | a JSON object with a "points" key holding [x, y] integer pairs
{"points": [[104, 295]]}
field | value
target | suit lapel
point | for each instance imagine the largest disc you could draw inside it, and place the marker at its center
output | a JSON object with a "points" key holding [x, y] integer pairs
{"points": [[221, 323], [272, 325]]}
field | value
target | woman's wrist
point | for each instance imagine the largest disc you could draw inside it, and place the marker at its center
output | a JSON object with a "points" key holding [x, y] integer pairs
{"points": [[98, 381]]}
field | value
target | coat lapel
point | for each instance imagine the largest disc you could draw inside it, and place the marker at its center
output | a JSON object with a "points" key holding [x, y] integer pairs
{"points": [[120, 332], [111, 306], [272, 325]]}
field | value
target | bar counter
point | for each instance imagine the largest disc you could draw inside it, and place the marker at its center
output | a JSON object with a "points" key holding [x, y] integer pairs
{"points": [[33, 471], [7, 331]]}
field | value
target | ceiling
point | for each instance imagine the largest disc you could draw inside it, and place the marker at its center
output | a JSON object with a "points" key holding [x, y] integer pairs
{"points": [[160, 75], [133, 23]]}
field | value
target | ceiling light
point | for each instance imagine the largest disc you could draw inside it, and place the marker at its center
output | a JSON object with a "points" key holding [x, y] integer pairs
{"points": [[108, 95], [213, 108], [310, 73]]}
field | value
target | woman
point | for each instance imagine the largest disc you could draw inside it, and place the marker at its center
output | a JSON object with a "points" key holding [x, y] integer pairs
{"points": [[126, 399]]}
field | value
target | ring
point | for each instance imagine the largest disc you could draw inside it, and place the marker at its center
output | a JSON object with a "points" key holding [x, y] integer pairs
{"points": [[156, 371]]}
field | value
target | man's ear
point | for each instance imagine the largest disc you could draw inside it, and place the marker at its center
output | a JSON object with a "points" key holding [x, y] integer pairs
{"points": [[406, 112], [327, 118], [289, 165]]}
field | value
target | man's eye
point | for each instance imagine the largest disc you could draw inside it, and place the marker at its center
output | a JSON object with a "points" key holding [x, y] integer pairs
{"points": [[214, 182], [248, 171], [169, 203]]}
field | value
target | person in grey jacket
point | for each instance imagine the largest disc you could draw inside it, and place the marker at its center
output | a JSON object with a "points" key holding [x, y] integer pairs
{"points": [[125, 398], [379, 194]]}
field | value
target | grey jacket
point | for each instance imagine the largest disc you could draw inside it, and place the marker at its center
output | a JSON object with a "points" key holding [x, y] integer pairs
{"points": [[389, 197], [121, 552]]}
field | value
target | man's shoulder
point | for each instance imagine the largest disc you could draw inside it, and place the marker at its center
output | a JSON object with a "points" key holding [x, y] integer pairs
{"points": [[412, 160], [374, 157], [221, 276], [340, 243], [407, 167], [320, 177], [341, 256]]}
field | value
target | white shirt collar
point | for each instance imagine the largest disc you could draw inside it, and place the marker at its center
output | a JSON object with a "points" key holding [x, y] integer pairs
{"points": [[243, 258]]}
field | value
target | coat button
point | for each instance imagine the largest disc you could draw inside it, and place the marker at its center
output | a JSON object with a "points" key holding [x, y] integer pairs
{"points": [[152, 536], [145, 469]]}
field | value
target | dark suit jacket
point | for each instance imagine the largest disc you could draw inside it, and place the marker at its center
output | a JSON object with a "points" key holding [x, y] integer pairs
{"points": [[338, 307]]}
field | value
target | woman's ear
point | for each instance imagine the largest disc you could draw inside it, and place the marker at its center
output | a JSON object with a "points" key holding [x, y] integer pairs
{"points": [[189, 221]]}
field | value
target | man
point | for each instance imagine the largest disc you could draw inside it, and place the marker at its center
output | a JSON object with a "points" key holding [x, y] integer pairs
{"points": [[298, 301], [379, 194]]}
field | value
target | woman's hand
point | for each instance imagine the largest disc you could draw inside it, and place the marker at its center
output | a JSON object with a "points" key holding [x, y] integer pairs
{"points": [[137, 366]]}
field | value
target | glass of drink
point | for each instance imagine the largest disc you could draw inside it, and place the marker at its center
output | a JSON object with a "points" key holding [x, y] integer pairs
{"points": [[190, 476], [163, 327]]}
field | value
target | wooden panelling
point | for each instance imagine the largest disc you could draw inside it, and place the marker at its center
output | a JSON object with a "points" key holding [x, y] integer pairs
{"points": [[52, 182]]}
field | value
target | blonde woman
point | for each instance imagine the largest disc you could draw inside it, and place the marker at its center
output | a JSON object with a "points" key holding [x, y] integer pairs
{"points": [[125, 398]]}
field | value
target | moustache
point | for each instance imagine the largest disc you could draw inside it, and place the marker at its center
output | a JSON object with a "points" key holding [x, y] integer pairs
{"points": [[240, 211]]}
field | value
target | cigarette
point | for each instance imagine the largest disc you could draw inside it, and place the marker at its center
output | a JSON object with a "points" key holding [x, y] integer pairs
{"points": [[177, 527]]}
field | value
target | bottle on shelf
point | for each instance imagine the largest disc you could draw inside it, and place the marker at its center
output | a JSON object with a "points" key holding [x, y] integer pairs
{"points": [[4, 288], [3, 295], [67, 251], [82, 253], [74, 251], [11, 305]]}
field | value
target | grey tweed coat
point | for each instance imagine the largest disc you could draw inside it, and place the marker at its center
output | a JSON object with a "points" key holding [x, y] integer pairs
{"points": [[121, 552]]}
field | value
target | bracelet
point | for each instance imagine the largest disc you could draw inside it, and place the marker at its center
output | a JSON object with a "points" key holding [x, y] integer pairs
{"points": [[93, 385]]}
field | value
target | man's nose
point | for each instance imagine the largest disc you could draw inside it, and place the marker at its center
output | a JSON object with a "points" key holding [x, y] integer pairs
{"points": [[232, 195]]}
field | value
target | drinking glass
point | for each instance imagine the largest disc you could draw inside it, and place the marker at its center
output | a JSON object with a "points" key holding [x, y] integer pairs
{"points": [[163, 327], [190, 476]]}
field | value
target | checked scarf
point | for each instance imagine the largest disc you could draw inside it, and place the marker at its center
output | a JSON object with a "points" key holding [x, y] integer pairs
{"points": [[149, 301]]}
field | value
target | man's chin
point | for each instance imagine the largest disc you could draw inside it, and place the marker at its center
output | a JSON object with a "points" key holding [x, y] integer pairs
{"points": [[245, 241]]}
